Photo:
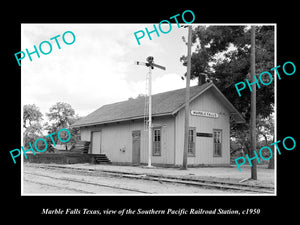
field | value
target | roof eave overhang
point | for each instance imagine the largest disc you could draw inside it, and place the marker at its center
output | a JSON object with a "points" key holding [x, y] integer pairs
{"points": [[120, 120]]}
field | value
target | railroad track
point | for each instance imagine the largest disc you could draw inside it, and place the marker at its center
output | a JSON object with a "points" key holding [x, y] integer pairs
{"points": [[196, 182], [81, 182], [59, 187], [180, 180]]}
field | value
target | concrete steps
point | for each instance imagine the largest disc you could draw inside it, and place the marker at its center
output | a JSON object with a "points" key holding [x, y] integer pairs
{"points": [[101, 159]]}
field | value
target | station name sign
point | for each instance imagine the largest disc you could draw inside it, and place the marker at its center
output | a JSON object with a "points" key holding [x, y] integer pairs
{"points": [[204, 114]]}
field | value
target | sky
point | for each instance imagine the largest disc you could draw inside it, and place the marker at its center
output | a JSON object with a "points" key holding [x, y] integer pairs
{"points": [[98, 68]]}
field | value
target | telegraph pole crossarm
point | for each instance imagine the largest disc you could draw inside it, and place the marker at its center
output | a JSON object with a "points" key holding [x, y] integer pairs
{"points": [[150, 64]]}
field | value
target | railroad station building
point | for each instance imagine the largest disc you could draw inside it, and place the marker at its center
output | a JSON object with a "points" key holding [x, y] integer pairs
{"points": [[118, 130]]}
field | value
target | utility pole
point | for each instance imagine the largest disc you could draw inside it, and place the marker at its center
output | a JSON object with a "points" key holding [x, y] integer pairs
{"points": [[150, 63], [150, 117], [253, 106], [187, 101]]}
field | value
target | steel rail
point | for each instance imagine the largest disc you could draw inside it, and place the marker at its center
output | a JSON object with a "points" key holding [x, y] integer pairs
{"points": [[170, 179], [87, 182]]}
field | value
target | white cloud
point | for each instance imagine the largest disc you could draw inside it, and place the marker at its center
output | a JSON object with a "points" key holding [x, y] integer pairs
{"points": [[169, 82], [161, 84], [96, 70]]}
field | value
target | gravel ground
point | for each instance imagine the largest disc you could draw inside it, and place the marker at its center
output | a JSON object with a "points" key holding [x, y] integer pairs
{"points": [[60, 181], [226, 174]]}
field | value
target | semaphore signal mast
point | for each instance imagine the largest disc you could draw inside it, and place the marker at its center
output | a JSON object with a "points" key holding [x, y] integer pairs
{"points": [[151, 66]]}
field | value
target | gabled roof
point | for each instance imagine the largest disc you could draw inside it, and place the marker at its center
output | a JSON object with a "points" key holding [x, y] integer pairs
{"points": [[167, 103]]}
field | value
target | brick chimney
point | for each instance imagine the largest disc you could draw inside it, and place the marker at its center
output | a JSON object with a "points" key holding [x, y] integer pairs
{"points": [[201, 79]]}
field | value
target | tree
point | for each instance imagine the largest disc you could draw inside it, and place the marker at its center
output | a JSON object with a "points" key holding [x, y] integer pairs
{"points": [[140, 96], [223, 53], [32, 133], [31, 122], [265, 128], [31, 114], [62, 115]]}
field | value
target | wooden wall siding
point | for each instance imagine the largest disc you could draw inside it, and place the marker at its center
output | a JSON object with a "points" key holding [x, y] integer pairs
{"points": [[85, 134], [119, 136], [167, 141], [116, 137], [204, 145]]}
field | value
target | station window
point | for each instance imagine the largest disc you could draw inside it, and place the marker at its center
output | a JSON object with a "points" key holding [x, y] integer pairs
{"points": [[156, 145], [191, 143], [217, 143]]}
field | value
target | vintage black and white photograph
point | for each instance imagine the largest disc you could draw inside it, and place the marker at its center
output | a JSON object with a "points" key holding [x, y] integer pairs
{"points": [[149, 109]]}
